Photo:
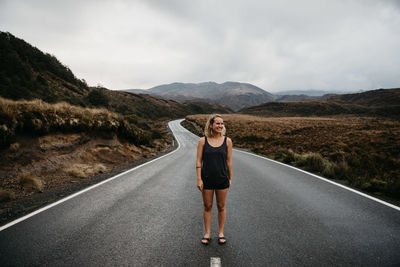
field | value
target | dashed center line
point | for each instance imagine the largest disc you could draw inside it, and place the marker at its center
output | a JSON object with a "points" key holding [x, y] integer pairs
{"points": [[215, 262]]}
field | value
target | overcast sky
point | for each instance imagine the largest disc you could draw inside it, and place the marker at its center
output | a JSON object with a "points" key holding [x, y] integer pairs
{"points": [[276, 45]]}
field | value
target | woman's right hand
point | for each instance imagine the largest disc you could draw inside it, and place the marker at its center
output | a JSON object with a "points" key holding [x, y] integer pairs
{"points": [[200, 184]]}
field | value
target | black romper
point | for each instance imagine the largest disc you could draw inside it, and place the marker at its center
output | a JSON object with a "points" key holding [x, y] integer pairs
{"points": [[214, 171]]}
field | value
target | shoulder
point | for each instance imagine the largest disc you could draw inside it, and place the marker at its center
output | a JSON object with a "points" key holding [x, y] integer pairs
{"points": [[202, 140], [228, 141]]}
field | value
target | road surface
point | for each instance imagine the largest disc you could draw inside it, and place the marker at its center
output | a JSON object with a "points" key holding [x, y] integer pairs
{"points": [[152, 216]]}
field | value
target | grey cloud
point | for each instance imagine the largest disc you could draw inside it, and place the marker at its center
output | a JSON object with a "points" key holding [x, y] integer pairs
{"points": [[275, 45]]}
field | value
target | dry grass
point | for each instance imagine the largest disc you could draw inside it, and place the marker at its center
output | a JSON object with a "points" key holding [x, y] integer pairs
{"points": [[79, 170], [37, 117], [30, 182], [362, 151]]}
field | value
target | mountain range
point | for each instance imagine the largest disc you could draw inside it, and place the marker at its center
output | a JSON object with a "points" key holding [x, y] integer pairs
{"points": [[234, 95]]}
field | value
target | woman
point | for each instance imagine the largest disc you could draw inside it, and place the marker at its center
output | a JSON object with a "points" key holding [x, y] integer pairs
{"points": [[214, 173]]}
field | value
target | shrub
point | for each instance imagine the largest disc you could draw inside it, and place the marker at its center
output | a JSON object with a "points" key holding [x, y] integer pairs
{"points": [[315, 162], [299, 160], [341, 170], [131, 118], [289, 157], [329, 171], [98, 98], [378, 185]]}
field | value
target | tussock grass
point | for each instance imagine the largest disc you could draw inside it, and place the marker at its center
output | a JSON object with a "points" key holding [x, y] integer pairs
{"points": [[30, 182], [37, 117], [79, 170], [312, 162], [361, 151]]}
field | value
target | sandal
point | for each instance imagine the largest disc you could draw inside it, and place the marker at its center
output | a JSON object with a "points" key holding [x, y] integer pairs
{"points": [[207, 239], [223, 238]]}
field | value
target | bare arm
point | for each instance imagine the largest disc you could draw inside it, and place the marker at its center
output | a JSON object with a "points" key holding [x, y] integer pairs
{"points": [[229, 158], [200, 147]]}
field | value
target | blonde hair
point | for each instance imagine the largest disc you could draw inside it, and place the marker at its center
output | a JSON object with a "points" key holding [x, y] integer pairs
{"points": [[210, 121]]}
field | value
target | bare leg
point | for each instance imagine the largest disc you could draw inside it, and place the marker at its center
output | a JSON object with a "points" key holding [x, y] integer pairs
{"points": [[207, 201], [221, 196]]}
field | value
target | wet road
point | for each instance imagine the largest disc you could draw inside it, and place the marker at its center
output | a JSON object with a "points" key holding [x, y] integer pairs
{"points": [[152, 216]]}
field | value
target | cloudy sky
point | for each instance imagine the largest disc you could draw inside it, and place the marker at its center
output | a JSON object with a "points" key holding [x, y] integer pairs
{"points": [[276, 45]]}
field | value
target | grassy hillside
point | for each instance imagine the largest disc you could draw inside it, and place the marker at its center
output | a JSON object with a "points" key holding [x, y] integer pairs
{"points": [[360, 151], [380, 97], [27, 73], [385, 103]]}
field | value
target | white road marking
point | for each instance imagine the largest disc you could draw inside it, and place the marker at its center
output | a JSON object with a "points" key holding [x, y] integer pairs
{"points": [[326, 180], [215, 262], [83, 191]]}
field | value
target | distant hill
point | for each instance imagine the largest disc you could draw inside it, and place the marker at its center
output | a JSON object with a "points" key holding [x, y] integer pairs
{"points": [[296, 98], [27, 73], [382, 102], [302, 92], [379, 97], [313, 92], [151, 107], [234, 95]]}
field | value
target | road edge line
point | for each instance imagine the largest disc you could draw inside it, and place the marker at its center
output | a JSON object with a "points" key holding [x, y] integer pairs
{"points": [[326, 180], [23, 218]]}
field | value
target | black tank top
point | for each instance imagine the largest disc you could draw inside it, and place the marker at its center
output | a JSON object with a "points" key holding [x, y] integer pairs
{"points": [[214, 161]]}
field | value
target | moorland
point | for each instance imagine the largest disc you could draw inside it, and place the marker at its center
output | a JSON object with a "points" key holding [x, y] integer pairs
{"points": [[362, 152]]}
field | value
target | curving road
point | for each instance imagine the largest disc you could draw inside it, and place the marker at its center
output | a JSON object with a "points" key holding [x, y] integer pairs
{"points": [[152, 216]]}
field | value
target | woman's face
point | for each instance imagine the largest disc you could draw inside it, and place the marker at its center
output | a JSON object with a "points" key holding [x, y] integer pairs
{"points": [[217, 126]]}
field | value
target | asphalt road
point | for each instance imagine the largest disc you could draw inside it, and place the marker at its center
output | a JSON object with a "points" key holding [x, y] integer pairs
{"points": [[152, 216]]}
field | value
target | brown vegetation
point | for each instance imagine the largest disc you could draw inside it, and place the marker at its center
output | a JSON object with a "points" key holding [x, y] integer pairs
{"points": [[80, 170], [30, 182], [361, 151], [383, 103], [38, 118]]}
